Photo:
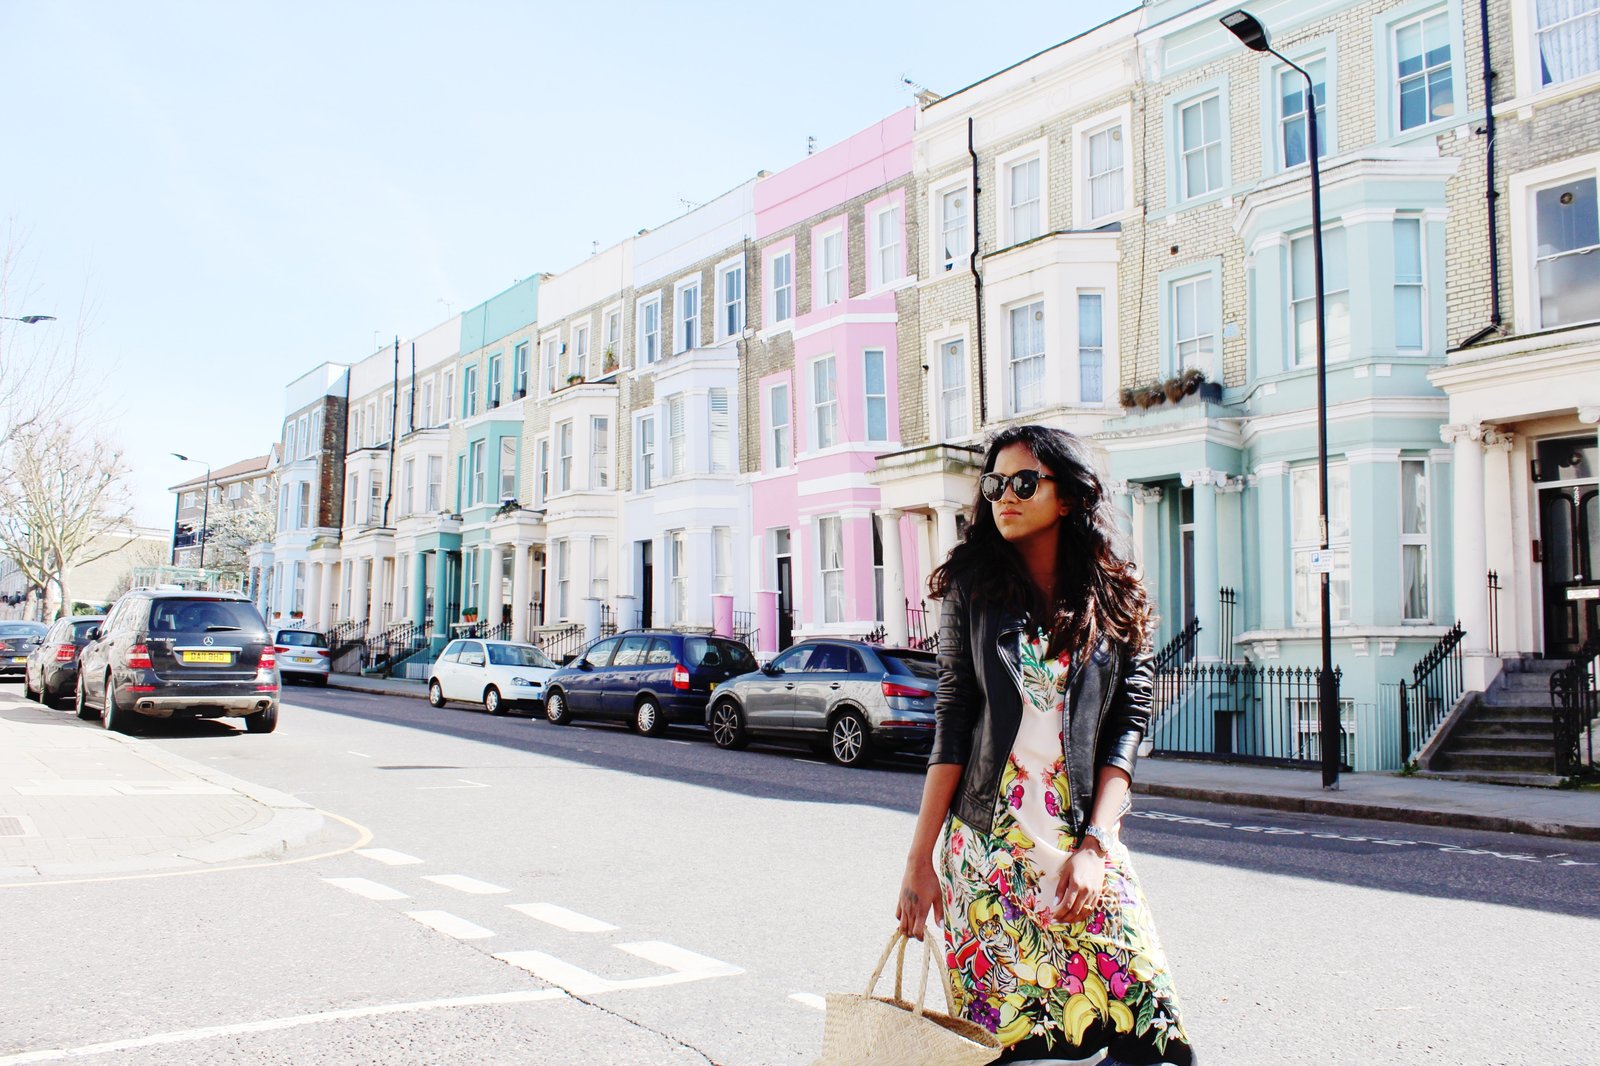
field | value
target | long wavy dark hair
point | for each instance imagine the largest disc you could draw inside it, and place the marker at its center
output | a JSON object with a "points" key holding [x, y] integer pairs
{"points": [[1098, 591]]}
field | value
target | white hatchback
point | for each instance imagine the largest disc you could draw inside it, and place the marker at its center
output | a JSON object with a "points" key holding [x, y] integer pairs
{"points": [[500, 675]]}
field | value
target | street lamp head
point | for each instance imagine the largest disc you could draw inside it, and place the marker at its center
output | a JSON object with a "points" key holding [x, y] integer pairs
{"points": [[185, 458], [1244, 26], [29, 319]]}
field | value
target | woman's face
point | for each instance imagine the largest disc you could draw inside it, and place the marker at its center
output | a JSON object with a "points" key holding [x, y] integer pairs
{"points": [[1019, 520]]}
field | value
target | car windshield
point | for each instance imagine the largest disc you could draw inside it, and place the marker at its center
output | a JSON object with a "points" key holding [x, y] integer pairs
{"points": [[908, 665], [23, 629], [719, 654], [302, 638], [81, 630], [203, 616], [519, 655]]}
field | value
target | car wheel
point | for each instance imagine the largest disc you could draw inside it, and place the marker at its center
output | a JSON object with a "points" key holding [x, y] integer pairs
{"points": [[435, 694], [113, 719], [555, 709], [647, 717], [727, 726], [85, 711], [262, 721], [491, 701], [847, 739], [28, 691]]}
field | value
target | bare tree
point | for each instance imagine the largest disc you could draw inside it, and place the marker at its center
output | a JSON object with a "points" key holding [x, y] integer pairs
{"points": [[141, 557], [233, 531], [39, 362], [62, 500]]}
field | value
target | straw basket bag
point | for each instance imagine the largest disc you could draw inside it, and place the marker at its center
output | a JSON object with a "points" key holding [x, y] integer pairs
{"points": [[868, 1030]]}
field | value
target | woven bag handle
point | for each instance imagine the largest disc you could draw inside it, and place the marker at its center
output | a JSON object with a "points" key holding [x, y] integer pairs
{"points": [[899, 940]]}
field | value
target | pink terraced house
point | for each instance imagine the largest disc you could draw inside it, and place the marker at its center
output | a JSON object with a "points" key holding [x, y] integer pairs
{"points": [[826, 371]]}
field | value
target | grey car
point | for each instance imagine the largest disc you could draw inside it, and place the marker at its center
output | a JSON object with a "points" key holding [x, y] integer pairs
{"points": [[847, 697]]}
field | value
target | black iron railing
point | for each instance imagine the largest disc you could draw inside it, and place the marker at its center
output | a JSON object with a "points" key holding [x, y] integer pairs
{"points": [[875, 636], [1436, 685], [745, 629], [561, 644], [1574, 703], [608, 620], [1178, 650], [1227, 602], [536, 612], [922, 630], [497, 632], [1494, 614], [344, 636], [1237, 712]]}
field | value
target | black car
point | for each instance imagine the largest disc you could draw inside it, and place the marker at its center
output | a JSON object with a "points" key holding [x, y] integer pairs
{"points": [[52, 668], [648, 678], [162, 653], [17, 641]]}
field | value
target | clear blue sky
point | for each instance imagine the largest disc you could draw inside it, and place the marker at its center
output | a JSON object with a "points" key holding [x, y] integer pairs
{"points": [[241, 190]]}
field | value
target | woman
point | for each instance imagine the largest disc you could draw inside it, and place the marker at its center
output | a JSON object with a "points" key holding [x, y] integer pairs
{"points": [[1044, 697]]}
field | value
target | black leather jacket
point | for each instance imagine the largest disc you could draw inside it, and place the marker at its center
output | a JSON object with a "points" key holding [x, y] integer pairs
{"points": [[980, 707]]}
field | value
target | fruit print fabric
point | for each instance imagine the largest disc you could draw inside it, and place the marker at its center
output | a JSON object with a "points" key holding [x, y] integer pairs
{"points": [[1051, 991]]}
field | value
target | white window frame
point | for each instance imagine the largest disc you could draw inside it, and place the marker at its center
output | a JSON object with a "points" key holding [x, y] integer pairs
{"points": [[722, 560], [427, 404], [313, 442], [1083, 132], [374, 498], [407, 419], [1525, 188], [822, 292], [939, 262], [1422, 539], [386, 414], [541, 484], [946, 397], [1525, 33], [644, 468], [824, 409], [408, 478], [1005, 165], [780, 435], [880, 398], [1278, 75], [831, 569], [469, 390], [562, 558], [495, 384], [508, 468], [721, 430], [1171, 355], [1332, 297], [577, 362], [520, 355], [1418, 281], [677, 436], [1084, 348], [477, 475], [611, 338], [600, 568], [725, 270], [887, 273], [677, 545], [434, 501], [686, 333], [774, 289], [1031, 306], [1306, 593], [549, 363], [564, 434], [303, 505], [647, 342], [1182, 150], [447, 397], [1390, 73], [599, 452]]}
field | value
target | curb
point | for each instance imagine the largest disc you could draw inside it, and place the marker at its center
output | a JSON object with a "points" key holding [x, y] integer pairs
{"points": [[1454, 819], [373, 690]]}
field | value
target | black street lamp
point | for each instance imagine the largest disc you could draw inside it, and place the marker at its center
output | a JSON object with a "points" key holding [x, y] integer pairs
{"points": [[205, 505], [1253, 35]]}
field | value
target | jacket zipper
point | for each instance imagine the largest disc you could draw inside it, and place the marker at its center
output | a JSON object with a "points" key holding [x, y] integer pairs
{"points": [[1016, 675], [1066, 735]]}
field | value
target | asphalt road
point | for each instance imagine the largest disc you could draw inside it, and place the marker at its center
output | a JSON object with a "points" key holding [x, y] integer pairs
{"points": [[695, 902]]}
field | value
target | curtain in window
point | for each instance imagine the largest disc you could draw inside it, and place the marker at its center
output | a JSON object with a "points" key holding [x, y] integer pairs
{"points": [[1569, 39]]}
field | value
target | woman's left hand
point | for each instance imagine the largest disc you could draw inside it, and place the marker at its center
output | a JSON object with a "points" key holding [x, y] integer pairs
{"points": [[1080, 887]]}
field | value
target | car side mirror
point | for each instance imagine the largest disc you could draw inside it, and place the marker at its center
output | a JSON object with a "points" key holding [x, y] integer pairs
{"points": [[584, 664], [94, 634], [475, 660], [771, 671]]}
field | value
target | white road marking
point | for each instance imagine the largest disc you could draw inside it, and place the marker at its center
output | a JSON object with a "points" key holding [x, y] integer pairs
{"points": [[359, 754], [528, 995], [366, 889], [466, 884], [448, 924], [388, 856], [464, 784], [809, 999], [685, 966], [562, 918]]}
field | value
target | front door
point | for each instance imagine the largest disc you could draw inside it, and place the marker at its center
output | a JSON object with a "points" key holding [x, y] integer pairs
{"points": [[1569, 542], [647, 584]]}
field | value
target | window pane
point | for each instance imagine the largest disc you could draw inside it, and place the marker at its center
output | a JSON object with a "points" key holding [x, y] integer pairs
{"points": [[1569, 39], [1414, 559], [1413, 498], [1568, 235]]}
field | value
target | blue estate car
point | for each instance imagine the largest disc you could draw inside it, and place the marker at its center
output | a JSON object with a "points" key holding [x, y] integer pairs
{"points": [[648, 678]]}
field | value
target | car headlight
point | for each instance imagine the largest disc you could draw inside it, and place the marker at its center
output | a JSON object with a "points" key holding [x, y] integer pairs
{"points": [[524, 682]]}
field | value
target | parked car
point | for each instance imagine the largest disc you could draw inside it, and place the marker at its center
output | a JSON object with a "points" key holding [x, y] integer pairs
{"points": [[647, 678], [302, 653], [17, 641], [501, 675], [844, 696], [51, 672], [161, 653]]}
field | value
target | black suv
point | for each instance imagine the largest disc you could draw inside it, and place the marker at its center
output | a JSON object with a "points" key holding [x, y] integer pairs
{"points": [[645, 677], [162, 653]]}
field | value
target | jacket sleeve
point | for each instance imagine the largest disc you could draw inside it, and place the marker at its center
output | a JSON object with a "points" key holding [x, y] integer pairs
{"points": [[956, 708], [1129, 717]]}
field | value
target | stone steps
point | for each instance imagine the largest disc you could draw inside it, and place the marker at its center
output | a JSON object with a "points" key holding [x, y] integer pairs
{"points": [[1532, 780], [1496, 760]]}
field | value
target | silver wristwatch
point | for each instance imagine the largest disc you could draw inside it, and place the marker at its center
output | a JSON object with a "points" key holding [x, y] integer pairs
{"points": [[1099, 835]]}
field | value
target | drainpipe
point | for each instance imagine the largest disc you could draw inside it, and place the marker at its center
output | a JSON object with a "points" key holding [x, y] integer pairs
{"points": [[1491, 195], [977, 283]]}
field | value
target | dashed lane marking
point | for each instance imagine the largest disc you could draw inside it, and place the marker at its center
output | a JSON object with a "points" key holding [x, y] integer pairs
{"points": [[529, 995], [809, 999], [359, 754], [464, 784], [389, 857], [680, 959], [684, 966], [366, 889], [466, 884], [450, 925], [562, 918]]}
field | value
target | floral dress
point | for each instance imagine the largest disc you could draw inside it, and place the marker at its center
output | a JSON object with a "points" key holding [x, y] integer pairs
{"points": [[1048, 990]]}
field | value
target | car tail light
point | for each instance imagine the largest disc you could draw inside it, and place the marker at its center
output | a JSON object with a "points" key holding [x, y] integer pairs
{"points": [[65, 653], [269, 658], [323, 652], [890, 688], [139, 658], [680, 676]]}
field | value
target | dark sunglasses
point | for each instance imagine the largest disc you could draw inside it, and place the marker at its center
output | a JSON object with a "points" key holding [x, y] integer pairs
{"points": [[1024, 483]]}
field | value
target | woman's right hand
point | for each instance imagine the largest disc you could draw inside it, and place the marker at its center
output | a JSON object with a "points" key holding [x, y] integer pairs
{"points": [[919, 890]]}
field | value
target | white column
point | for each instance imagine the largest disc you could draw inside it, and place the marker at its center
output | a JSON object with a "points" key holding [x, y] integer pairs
{"points": [[894, 579], [1471, 551], [1206, 580], [375, 617], [360, 578], [494, 596], [1144, 496], [948, 532], [314, 609], [521, 572]]}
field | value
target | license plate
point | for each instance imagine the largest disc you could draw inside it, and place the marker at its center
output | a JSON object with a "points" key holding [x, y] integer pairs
{"points": [[20, 659], [303, 659], [713, 686], [207, 657]]}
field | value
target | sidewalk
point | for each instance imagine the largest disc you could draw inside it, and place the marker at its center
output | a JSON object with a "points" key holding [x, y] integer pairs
{"points": [[77, 801], [1390, 797]]}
